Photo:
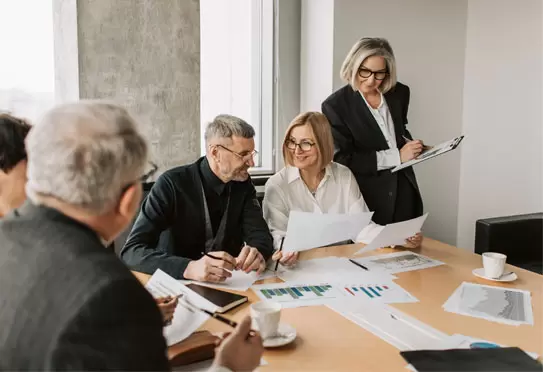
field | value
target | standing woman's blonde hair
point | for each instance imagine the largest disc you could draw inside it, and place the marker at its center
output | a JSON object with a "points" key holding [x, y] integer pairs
{"points": [[323, 136], [362, 49]]}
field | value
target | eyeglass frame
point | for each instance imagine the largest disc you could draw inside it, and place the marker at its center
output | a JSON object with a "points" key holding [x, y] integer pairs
{"points": [[374, 73], [252, 154], [311, 144], [142, 179]]}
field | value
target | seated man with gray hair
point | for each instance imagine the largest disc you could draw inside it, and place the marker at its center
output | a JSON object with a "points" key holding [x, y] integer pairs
{"points": [[208, 211], [66, 301]]}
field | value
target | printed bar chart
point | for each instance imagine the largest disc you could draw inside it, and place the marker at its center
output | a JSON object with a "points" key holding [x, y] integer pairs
{"points": [[294, 293], [367, 291]]}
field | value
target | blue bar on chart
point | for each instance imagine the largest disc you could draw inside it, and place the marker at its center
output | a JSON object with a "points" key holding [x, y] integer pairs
{"points": [[367, 291]]}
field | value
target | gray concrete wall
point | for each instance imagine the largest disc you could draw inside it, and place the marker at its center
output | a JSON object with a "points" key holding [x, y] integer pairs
{"points": [[145, 54]]}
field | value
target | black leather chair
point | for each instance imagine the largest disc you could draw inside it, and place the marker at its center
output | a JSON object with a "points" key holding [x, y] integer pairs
{"points": [[121, 239], [519, 237]]}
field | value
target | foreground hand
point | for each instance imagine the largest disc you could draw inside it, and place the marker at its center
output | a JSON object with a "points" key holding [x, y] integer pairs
{"points": [[207, 269], [240, 351], [250, 259], [167, 307], [411, 150], [413, 242], [288, 259]]}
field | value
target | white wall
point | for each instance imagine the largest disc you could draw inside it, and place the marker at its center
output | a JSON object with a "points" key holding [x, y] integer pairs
{"points": [[428, 38], [317, 38], [501, 172]]}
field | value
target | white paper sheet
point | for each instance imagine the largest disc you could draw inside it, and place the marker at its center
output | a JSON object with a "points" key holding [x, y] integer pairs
{"points": [[499, 304], [317, 293], [184, 322], [398, 262], [239, 281], [393, 326], [312, 230], [395, 233], [335, 268]]}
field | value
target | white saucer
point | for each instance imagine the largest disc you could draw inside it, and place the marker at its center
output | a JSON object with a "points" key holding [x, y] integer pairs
{"points": [[480, 272], [287, 334]]}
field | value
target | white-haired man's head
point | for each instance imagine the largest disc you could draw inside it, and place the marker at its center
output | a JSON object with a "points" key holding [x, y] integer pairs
{"points": [[88, 157], [230, 147]]}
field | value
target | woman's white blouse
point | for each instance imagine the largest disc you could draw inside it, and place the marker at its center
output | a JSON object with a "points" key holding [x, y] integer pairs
{"points": [[338, 192]]}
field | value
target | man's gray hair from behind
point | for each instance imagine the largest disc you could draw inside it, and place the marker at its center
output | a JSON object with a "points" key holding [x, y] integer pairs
{"points": [[84, 154], [226, 126]]}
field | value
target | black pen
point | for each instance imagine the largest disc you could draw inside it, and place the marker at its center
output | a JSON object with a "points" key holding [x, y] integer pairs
{"points": [[211, 256], [280, 249], [359, 265], [424, 148]]}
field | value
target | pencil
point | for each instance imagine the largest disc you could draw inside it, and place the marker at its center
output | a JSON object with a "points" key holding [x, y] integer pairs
{"points": [[280, 249]]}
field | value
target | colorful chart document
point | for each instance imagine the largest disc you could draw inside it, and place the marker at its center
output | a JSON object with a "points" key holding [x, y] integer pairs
{"points": [[297, 295], [398, 262]]}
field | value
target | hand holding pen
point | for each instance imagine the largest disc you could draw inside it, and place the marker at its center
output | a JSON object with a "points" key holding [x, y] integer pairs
{"points": [[213, 267], [411, 149]]}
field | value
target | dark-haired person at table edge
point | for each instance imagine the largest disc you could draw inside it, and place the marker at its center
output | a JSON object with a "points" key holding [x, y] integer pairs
{"points": [[209, 206], [368, 117]]}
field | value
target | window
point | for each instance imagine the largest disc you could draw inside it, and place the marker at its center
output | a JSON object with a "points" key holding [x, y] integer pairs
{"points": [[27, 75], [236, 68]]}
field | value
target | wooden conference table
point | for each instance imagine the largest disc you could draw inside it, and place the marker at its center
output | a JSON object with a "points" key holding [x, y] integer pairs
{"points": [[328, 342]]}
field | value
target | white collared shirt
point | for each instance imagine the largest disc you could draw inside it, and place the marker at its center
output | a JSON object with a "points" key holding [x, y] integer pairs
{"points": [[338, 193], [385, 158]]}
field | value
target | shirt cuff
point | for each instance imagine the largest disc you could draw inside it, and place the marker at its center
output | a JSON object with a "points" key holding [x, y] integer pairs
{"points": [[388, 159]]}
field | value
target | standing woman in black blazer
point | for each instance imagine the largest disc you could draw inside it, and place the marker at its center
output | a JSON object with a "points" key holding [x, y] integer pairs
{"points": [[368, 118]]}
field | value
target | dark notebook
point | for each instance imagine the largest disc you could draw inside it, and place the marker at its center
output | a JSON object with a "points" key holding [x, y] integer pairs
{"points": [[495, 359], [224, 300]]}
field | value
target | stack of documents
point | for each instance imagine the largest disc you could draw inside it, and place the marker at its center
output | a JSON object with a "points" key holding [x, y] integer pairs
{"points": [[498, 304], [397, 262]]}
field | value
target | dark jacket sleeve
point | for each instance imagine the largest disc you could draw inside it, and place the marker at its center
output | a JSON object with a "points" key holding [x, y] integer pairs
{"points": [[361, 162], [119, 328], [255, 231], [405, 108], [142, 251]]}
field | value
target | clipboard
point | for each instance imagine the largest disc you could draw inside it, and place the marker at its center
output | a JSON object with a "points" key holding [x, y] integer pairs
{"points": [[432, 152]]}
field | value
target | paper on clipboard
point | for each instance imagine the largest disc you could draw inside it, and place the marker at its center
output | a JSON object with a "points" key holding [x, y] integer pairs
{"points": [[431, 152]]}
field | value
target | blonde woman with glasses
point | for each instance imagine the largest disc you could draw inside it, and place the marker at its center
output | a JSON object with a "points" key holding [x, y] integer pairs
{"points": [[310, 181], [368, 118]]}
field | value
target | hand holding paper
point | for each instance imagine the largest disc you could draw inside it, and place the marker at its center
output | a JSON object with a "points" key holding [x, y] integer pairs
{"points": [[311, 230], [395, 233]]}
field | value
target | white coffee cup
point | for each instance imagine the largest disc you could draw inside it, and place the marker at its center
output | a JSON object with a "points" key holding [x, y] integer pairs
{"points": [[494, 264], [265, 317]]}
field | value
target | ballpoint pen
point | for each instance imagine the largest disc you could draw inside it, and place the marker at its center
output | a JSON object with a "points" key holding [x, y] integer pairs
{"points": [[190, 307], [359, 265], [280, 249], [424, 147]]}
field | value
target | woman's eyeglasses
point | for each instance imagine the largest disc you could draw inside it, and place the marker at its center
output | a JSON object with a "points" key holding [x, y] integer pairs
{"points": [[303, 145], [365, 73]]}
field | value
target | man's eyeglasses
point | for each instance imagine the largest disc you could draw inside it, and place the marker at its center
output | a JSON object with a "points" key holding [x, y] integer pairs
{"points": [[245, 156], [143, 178], [365, 73], [304, 145]]}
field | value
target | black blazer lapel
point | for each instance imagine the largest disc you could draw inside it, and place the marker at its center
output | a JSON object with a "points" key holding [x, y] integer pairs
{"points": [[366, 116]]}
